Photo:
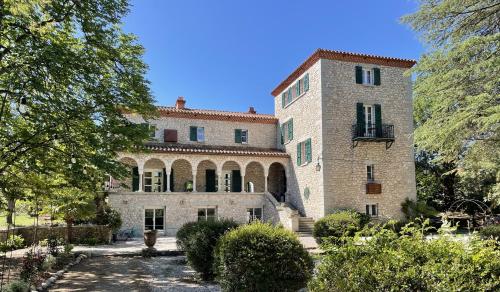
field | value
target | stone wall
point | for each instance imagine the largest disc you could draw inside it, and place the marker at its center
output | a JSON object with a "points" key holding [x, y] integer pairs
{"points": [[216, 132], [307, 123], [345, 166], [181, 208], [80, 232]]}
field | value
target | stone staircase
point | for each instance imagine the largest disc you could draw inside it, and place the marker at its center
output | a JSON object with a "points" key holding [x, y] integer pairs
{"points": [[306, 226]]}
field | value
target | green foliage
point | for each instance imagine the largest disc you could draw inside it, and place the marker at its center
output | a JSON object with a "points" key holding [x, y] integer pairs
{"points": [[417, 209], [89, 241], [53, 243], [456, 87], [391, 262], [68, 248], [49, 262], [334, 227], [32, 265], [13, 242], [198, 240], [17, 286], [490, 232], [111, 218], [261, 257]]}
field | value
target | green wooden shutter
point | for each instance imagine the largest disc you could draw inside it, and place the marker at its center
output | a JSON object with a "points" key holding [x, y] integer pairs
{"points": [[290, 94], [306, 82], [193, 133], [297, 88], [237, 136], [283, 101], [359, 75], [308, 150], [360, 119], [299, 154], [164, 179], [290, 130], [282, 138], [135, 179], [376, 76], [378, 120]]}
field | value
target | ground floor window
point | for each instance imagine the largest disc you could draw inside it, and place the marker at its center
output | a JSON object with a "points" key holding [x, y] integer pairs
{"points": [[154, 219], [254, 214], [372, 210], [207, 214]]}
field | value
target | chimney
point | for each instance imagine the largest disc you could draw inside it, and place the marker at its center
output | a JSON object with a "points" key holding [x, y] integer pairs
{"points": [[179, 104], [251, 110]]}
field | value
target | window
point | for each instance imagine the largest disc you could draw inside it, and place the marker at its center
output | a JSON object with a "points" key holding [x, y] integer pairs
{"points": [[151, 129], [287, 131], [370, 176], [254, 214], [369, 112], [304, 155], [153, 180], [154, 219], [197, 134], [372, 210], [297, 89], [367, 76], [227, 182], [207, 214], [241, 136]]}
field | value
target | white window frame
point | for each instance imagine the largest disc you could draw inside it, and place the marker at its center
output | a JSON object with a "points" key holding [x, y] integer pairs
{"points": [[251, 214], [156, 187], [206, 213], [200, 134], [370, 210], [226, 183], [370, 172], [303, 160], [284, 128], [368, 77], [154, 217], [369, 112], [244, 133]]}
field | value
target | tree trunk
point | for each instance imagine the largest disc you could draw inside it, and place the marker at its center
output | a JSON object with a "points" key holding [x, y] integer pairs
{"points": [[11, 204], [69, 230]]}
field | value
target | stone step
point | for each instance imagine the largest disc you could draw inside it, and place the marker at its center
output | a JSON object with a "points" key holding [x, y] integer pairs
{"points": [[303, 234]]}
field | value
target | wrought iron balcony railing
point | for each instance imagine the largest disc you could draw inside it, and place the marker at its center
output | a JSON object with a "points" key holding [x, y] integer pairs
{"points": [[371, 131]]}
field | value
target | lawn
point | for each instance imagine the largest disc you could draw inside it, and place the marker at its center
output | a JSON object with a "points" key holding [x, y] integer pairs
{"points": [[23, 220]]}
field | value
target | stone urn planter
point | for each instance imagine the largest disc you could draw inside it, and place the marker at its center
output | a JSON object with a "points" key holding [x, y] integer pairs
{"points": [[150, 238]]}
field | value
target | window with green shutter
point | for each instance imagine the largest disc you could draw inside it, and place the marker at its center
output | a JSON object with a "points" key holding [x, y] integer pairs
{"points": [[282, 136], [135, 179], [299, 154], [378, 120], [308, 150], [283, 100], [306, 82], [193, 133], [360, 119], [290, 130], [290, 95], [376, 76], [237, 136], [359, 75], [297, 88]]}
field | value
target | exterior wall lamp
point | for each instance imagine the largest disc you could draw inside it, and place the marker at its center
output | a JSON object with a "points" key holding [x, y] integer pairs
{"points": [[318, 164]]}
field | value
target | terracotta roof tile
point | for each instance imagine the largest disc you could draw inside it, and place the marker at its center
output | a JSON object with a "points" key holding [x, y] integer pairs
{"points": [[213, 149], [167, 111], [341, 56]]}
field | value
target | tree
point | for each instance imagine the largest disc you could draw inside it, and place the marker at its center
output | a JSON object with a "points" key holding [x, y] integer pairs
{"points": [[67, 73], [457, 104]]}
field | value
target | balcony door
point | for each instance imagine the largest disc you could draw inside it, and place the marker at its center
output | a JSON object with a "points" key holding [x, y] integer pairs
{"points": [[369, 112]]}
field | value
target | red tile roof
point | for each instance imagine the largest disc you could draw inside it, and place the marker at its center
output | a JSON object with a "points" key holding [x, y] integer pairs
{"points": [[167, 111], [341, 56], [214, 149]]}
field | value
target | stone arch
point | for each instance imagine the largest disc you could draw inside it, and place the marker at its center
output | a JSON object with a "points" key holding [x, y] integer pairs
{"points": [[206, 176], [154, 175], [231, 177], [276, 180], [125, 183], [181, 176], [255, 176]]}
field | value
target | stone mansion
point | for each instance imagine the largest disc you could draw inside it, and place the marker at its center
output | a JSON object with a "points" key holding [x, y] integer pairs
{"points": [[341, 137]]}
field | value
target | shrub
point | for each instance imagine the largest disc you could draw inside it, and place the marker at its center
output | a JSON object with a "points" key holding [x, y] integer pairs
{"points": [[491, 232], [409, 262], [53, 243], [68, 248], [334, 227], [32, 265], [13, 242], [261, 257], [49, 262], [89, 241], [198, 240], [418, 209], [17, 286]]}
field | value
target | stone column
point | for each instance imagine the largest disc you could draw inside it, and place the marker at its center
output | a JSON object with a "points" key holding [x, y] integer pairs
{"points": [[243, 181], [141, 177], [266, 175], [193, 172], [220, 182], [167, 179]]}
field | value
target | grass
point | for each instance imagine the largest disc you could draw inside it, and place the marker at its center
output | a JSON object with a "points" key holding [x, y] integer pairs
{"points": [[22, 220]]}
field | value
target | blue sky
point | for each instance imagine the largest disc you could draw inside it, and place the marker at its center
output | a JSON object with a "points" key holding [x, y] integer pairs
{"points": [[230, 54]]}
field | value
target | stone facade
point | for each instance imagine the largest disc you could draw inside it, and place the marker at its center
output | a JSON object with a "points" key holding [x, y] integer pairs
{"points": [[335, 176]]}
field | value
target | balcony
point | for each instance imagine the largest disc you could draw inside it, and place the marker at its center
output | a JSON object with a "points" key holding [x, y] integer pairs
{"points": [[372, 133]]}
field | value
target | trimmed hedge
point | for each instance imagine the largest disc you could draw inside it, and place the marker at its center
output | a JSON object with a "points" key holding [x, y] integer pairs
{"points": [[261, 257], [392, 262], [198, 240], [332, 228]]}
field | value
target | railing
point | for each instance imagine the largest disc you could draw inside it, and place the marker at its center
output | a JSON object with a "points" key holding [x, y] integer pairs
{"points": [[372, 132]]}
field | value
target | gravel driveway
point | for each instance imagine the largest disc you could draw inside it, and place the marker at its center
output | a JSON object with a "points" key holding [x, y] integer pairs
{"points": [[116, 273]]}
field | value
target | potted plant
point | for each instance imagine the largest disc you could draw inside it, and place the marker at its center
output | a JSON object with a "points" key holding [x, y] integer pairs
{"points": [[189, 186], [150, 238]]}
